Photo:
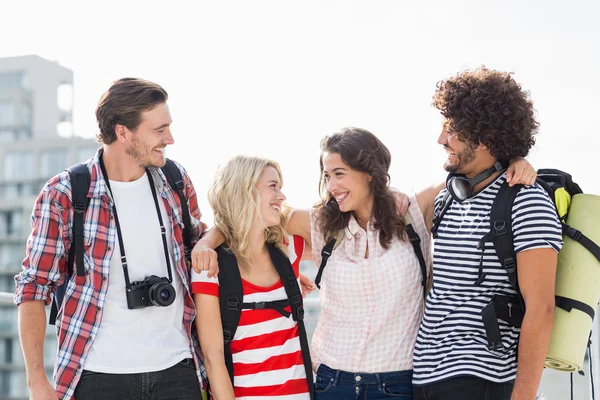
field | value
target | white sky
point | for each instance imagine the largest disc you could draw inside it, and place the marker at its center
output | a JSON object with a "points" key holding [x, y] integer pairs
{"points": [[272, 77]]}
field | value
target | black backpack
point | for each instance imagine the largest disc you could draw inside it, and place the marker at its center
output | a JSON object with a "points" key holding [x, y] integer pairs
{"points": [[511, 309], [231, 297], [79, 175]]}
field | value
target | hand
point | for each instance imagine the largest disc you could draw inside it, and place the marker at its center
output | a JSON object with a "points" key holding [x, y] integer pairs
{"points": [[402, 201], [205, 259], [520, 172], [307, 285], [42, 391]]}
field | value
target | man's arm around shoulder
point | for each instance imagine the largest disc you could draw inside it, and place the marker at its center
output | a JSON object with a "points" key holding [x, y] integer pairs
{"points": [[43, 267], [536, 275]]}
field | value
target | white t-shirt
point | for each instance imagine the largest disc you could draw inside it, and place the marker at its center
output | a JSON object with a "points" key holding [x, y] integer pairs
{"points": [[145, 339]]}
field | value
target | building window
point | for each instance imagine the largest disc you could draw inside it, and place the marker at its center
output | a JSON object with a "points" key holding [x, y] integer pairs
{"points": [[11, 257], [7, 135], [14, 80], [7, 114], [53, 161], [18, 166], [25, 114], [10, 223], [65, 97]]}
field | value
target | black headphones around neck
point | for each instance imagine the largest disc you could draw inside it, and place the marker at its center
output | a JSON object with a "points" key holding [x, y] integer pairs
{"points": [[461, 188]]}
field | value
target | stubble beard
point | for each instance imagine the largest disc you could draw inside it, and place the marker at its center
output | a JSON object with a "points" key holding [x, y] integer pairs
{"points": [[143, 156], [463, 158]]}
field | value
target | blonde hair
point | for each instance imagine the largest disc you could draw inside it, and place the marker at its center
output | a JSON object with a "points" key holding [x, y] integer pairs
{"points": [[235, 201]]}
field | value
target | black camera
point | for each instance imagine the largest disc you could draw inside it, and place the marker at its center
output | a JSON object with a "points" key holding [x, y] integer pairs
{"points": [[152, 291]]}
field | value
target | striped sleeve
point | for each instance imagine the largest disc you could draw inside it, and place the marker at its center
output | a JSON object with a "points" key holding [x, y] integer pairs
{"points": [[202, 284], [535, 222]]}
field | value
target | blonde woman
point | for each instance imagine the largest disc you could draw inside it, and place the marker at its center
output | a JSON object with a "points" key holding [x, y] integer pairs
{"points": [[250, 318]]}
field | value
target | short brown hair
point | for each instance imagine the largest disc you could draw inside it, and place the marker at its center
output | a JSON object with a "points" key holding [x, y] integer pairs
{"points": [[123, 104], [488, 107]]}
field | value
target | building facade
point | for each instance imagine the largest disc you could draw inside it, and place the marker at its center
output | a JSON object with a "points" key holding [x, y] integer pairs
{"points": [[36, 143]]}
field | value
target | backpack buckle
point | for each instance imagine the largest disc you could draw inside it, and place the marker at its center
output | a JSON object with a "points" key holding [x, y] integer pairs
{"points": [[79, 207], [510, 265], [299, 313], [572, 232], [297, 299], [494, 346], [226, 336], [261, 305], [499, 227], [179, 185], [233, 304]]}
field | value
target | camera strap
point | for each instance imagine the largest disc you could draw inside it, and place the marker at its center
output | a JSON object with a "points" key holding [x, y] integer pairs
{"points": [[163, 230]]}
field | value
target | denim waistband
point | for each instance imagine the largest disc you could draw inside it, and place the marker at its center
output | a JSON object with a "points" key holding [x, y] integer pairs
{"points": [[363, 378]]}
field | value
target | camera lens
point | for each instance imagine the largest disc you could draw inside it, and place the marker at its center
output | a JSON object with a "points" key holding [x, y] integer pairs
{"points": [[161, 294]]}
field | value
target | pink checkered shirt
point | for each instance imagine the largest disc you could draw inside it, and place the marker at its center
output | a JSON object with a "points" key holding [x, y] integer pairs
{"points": [[370, 308]]}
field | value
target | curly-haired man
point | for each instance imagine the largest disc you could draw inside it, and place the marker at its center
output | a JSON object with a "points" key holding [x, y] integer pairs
{"points": [[487, 118]]}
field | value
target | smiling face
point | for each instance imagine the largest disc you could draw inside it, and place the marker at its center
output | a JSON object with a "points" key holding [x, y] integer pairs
{"points": [[271, 197], [148, 141], [349, 188], [460, 153]]}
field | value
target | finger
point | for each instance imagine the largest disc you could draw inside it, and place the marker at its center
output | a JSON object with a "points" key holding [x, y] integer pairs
{"points": [[516, 178], [196, 263], [213, 265]]}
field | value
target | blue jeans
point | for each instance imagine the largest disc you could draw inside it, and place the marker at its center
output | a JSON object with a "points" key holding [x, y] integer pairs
{"points": [[175, 383], [464, 388], [333, 384]]}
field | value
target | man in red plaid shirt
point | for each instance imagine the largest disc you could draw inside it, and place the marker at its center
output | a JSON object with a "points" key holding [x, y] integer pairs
{"points": [[124, 328]]}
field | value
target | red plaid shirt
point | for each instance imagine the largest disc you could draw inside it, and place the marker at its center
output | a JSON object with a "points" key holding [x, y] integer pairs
{"points": [[45, 265]]}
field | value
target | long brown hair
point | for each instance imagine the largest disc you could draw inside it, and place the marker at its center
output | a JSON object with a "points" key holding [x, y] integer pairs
{"points": [[363, 152]]}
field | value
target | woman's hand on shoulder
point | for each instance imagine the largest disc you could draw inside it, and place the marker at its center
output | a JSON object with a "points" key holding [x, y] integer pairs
{"points": [[401, 200], [520, 172]]}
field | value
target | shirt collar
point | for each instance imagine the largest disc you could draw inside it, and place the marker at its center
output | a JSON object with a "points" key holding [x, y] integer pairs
{"points": [[354, 229], [98, 187]]}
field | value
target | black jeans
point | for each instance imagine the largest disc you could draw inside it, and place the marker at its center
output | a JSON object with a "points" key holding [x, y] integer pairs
{"points": [[176, 383], [464, 388]]}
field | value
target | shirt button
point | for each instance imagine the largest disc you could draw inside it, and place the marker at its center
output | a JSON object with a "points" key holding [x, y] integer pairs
{"points": [[104, 278], [108, 248], [111, 217], [358, 378], [97, 308]]}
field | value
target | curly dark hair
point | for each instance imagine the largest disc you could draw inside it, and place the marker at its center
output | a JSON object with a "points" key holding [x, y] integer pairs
{"points": [[364, 152], [488, 107]]}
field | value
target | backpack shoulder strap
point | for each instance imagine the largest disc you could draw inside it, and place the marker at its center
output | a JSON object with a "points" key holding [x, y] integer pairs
{"points": [[446, 203], [231, 296], [415, 240], [175, 179], [80, 178], [501, 231], [292, 289], [331, 245]]}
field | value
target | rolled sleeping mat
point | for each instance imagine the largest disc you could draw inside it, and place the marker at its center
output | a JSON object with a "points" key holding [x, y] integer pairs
{"points": [[577, 278]]}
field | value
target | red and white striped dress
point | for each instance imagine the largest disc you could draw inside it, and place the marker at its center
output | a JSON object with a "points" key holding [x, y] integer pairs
{"points": [[267, 359]]}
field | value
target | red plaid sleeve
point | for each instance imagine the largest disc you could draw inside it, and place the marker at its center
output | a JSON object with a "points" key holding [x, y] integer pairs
{"points": [[45, 256]]}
